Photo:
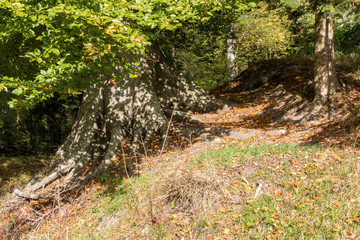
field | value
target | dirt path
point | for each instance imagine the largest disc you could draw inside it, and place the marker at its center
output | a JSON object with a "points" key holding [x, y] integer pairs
{"points": [[254, 118]]}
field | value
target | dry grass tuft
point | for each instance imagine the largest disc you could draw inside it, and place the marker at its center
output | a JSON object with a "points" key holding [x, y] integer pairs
{"points": [[187, 191]]}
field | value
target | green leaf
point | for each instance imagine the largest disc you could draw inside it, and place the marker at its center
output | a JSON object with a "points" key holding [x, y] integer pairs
{"points": [[37, 51], [55, 51], [11, 104], [2, 87], [17, 91], [133, 75], [173, 204], [252, 4]]}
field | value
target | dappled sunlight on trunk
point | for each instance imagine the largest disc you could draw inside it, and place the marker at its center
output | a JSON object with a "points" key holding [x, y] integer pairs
{"points": [[326, 82], [114, 111]]}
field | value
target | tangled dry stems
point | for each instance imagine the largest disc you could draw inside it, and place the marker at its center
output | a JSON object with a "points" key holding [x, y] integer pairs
{"points": [[186, 191]]}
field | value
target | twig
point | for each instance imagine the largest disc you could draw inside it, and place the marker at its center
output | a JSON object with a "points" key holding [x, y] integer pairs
{"points": [[258, 190], [245, 180], [167, 131]]}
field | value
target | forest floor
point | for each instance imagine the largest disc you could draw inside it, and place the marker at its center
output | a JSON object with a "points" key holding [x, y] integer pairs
{"points": [[264, 169]]}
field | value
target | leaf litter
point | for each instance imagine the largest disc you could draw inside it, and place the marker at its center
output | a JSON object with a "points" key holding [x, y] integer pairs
{"points": [[249, 175]]}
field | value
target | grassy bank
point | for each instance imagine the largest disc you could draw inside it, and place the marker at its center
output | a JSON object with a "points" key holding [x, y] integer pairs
{"points": [[239, 189]]}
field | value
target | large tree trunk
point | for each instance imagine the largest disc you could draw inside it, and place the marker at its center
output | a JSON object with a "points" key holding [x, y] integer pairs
{"points": [[111, 112], [326, 82]]}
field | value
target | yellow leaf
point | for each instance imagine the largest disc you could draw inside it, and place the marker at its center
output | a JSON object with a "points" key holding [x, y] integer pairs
{"points": [[349, 221], [278, 192], [336, 228], [222, 210]]}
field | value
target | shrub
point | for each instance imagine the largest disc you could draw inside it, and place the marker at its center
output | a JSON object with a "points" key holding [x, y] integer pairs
{"points": [[262, 34]]}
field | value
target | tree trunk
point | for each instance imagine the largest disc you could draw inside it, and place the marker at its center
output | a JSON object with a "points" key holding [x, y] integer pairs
{"points": [[326, 82], [112, 112], [231, 55]]}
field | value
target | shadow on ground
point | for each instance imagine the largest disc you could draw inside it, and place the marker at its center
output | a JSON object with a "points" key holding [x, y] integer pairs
{"points": [[15, 171], [280, 95]]}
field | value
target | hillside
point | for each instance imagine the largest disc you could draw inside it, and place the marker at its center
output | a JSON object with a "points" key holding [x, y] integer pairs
{"points": [[267, 168]]}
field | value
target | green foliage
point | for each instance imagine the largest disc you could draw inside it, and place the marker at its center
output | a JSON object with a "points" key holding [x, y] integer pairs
{"points": [[63, 46], [51, 51], [347, 31], [49, 122], [262, 34], [203, 59], [11, 132], [305, 38], [49, 47], [200, 48], [346, 18], [40, 129], [347, 34]]}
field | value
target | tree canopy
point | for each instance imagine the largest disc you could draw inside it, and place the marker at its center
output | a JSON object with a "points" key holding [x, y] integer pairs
{"points": [[62, 46]]}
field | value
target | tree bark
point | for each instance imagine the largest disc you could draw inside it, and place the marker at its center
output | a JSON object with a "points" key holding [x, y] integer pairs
{"points": [[326, 82], [231, 54], [111, 112]]}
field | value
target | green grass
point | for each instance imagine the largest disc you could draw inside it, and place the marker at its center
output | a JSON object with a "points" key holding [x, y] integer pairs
{"points": [[301, 200], [308, 192], [243, 151]]}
